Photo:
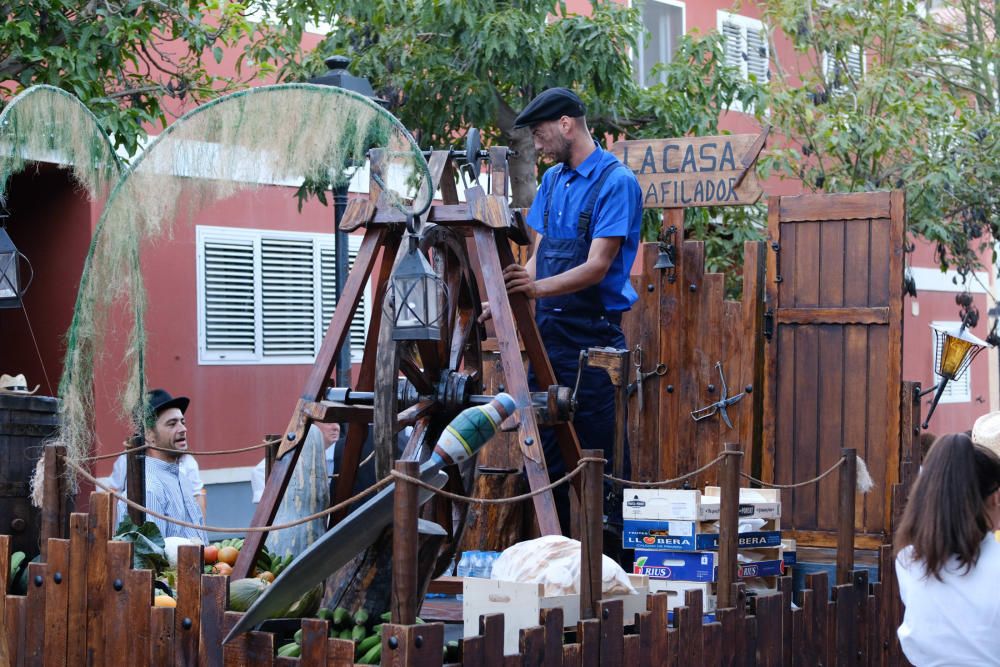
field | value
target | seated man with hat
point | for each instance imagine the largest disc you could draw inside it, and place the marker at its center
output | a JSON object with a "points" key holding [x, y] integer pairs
{"points": [[168, 491]]}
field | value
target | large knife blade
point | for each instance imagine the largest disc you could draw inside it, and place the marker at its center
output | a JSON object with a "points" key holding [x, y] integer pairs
{"points": [[330, 553]]}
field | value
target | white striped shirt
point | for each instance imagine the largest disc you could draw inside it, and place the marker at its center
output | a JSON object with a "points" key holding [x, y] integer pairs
{"points": [[169, 492]]}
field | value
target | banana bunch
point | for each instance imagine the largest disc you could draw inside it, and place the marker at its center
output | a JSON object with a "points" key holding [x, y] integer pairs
{"points": [[234, 542]]}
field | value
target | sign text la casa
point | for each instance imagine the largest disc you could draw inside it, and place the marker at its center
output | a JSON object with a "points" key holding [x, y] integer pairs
{"points": [[694, 171]]}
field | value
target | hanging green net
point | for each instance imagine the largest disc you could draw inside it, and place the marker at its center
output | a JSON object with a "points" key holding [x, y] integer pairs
{"points": [[297, 133], [46, 124]]}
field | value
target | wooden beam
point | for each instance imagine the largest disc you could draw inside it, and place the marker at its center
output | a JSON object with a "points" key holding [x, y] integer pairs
{"points": [[833, 316], [847, 206]]}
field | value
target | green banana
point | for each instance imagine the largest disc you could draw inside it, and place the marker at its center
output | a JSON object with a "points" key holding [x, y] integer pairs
{"points": [[373, 655], [366, 645], [290, 650], [298, 636], [361, 617], [15, 562], [386, 617], [345, 634], [341, 617], [324, 614]]}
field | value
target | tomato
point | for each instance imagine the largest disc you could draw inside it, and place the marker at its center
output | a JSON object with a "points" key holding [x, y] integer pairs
{"points": [[211, 555], [228, 555], [223, 568]]}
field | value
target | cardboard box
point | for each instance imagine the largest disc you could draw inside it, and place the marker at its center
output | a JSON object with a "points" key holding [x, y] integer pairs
{"points": [[788, 552], [521, 604], [685, 505], [696, 566], [676, 590], [688, 536]]}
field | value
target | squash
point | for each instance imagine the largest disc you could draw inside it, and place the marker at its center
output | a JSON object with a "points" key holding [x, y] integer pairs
{"points": [[244, 592]]}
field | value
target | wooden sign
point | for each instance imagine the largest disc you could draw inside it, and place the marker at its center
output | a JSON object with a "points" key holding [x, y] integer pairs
{"points": [[695, 171]]}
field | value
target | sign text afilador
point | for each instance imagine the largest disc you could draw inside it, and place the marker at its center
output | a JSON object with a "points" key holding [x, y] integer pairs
{"points": [[692, 171]]}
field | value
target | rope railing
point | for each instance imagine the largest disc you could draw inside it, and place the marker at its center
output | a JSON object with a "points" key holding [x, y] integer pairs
{"points": [[796, 485], [674, 480], [220, 529], [455, 497], [221, 452]]}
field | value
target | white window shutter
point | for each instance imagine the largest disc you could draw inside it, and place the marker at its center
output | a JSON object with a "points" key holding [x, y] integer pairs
{"points": [[359, 323], [757, 60], [734, 45], [228, 293], [288, 317]]}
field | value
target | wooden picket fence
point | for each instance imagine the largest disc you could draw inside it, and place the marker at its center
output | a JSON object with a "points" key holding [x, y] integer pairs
{"points": [[87, 606]]}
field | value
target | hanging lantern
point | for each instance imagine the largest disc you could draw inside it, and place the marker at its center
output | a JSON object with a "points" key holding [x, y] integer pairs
{"points": [[956, 348], [10, 285], [416, 295]]}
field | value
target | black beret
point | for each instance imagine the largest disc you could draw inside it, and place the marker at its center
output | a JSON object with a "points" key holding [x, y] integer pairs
{"points": [[551, 104]]}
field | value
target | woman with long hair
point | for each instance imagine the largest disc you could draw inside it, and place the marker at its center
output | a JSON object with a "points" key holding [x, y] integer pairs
{"points": [[948, 557]]}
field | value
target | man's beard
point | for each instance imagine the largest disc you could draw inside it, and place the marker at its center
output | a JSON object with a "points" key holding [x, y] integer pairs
{"points": [[563, 153]]}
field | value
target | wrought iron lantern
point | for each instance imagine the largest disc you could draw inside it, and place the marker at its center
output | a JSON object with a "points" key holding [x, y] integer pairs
{"points": [[956, 348], [416, 296], [11, 289]]}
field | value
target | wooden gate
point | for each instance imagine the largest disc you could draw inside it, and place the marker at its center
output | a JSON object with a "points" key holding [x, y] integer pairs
{"points": [[834, 354]]}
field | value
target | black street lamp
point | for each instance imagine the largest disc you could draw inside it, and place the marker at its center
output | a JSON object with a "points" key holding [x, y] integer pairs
{"points": [[339, 76]]}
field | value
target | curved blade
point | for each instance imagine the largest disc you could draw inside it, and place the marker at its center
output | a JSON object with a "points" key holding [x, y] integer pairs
{"points": [[329, 553]]}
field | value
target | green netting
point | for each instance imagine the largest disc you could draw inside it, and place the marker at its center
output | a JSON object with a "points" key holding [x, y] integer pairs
{"points": [[287, 134], [46, 124]]}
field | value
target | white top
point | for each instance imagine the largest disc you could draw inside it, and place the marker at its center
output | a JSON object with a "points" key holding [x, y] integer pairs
{"points": [[188, 467], [955, 621]]}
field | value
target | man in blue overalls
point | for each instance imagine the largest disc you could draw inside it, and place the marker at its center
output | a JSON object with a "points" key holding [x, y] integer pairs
{"points": [[588, 214]]}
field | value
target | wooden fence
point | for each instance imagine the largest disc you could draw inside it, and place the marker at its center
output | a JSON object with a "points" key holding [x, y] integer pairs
{"points": [[87, 606]]}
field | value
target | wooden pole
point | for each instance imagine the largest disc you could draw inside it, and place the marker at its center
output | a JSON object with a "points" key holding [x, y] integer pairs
{"points": [[729, 483], [591, 534], [54, 496], [135, 480], [405, 545], [845, 518], [270, 453]]}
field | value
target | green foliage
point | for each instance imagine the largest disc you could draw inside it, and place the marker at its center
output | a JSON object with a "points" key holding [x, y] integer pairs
{"points": [[148, 547], [921, 117], [124, 58]]}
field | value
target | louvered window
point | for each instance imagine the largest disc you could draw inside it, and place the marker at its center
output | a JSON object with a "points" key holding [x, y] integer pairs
{"points": [[839, 72], [745, 44], [956, 391], [359, 325], [267, 297]]}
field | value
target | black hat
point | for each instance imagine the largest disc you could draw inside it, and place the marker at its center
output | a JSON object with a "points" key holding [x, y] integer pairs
{"points": [[549, 105], [160, 400]]}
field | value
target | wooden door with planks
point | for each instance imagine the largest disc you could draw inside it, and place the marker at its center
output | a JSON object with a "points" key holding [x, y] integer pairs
{"points": [[833, 358]]}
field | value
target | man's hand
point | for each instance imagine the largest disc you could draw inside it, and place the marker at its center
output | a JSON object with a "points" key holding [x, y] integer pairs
{"points": [[486, 314], [518, 281]]}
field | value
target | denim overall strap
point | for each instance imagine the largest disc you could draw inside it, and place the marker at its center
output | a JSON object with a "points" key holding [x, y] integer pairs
{"points": [[583, 223]]}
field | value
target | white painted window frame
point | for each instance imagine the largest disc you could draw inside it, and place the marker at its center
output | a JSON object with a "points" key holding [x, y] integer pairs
{"points": [[257, 357], [827, 66], [745, 23], [638, 56]]}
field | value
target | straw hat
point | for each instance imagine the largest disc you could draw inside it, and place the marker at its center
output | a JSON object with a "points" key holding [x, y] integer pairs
{"points": [[986, 431], [15, 384]]}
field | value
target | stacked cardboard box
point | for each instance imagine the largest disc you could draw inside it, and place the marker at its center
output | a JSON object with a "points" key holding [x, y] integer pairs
{"points": [[675, 535]]}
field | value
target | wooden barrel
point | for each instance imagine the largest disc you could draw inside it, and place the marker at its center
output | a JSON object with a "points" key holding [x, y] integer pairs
{"points": [[25, 423]]}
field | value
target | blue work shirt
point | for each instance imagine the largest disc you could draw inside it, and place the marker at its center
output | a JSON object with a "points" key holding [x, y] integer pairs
{"points": [[618, 212]]}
